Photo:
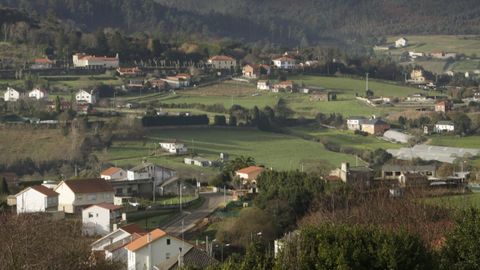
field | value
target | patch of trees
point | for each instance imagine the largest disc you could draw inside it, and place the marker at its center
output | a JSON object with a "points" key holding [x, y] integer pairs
{"points": [[171, 120], [36, 241]]}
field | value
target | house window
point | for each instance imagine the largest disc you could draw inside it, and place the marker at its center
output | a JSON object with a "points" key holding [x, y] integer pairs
{"points": [[90, 215], [167, 256], [92, 197], [168, 241]]}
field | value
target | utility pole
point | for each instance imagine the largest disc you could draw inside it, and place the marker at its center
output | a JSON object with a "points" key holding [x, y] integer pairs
{"points": [[366, 84]]}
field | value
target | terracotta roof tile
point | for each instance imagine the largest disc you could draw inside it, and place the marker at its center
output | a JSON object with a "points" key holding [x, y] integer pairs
{"points": [[251, 169], [143, 241], [111, 171], [221, 58], [89, 185], [45, 191], [133, 228]]}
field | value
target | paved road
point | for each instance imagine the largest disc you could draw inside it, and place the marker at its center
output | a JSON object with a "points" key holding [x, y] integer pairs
{"points": [[211, 203]]}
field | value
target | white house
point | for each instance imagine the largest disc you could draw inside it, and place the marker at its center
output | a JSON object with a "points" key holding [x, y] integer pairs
{"points": [[198, 161], [147, 170], [174, 147], [11, 95], [74, 195], [36, 199], [263, 85], [401, 42], [444, 126], [355, 122], [82, 60], [83, 96], [112, 245], [222, 62], [38, 94], [155, 248], [249, 174], [284, 62], [178, 81], [114, 173], [415, 55], [101, 219]]}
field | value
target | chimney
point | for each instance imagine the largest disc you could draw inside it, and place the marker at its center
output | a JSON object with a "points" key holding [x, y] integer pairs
{"points": [[115, 226], [124, 216]]}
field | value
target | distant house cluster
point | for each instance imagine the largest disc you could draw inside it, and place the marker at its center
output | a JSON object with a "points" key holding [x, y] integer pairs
{"points": [[372, 126]]}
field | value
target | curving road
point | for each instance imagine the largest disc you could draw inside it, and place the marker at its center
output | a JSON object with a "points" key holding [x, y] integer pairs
{"points": [[191, 218]]}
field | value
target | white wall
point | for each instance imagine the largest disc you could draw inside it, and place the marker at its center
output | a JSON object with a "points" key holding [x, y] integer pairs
{"points": [[159, 251], [96, 220], [65, 198], [109, 239], [31, 201]]}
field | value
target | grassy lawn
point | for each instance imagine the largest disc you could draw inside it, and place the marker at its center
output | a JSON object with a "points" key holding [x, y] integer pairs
{"points": [[282, 152], [346, 138], [356, 85], [466, 65], [156, 218], [457, 201], [456, 141], [449, 43], [436, 66]]}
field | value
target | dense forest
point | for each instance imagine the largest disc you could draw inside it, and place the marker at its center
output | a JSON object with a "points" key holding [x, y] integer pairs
{"points": [[306, 22]]}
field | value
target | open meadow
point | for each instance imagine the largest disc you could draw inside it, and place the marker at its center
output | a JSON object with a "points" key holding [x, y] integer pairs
{"points": [[279, 151], [466, 44]]}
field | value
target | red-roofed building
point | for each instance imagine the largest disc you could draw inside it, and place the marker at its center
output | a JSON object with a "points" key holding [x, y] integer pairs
{"points": [[155, 248], [284, 62], [443, 106], [114, 173], [249, 174], [42, 63], [135, 71], [101, 219], [78, 194], [36, 199], [222, 62], [82, 60]]}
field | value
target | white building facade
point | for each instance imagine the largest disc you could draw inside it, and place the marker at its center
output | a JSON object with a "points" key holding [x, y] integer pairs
{"points": [[284, 62], [74, 195], [11, 95], [355, 123], [36, 199], [83, 96], [444, 126], [38, 94], [100, 219], [81, 60], [174, 147]]}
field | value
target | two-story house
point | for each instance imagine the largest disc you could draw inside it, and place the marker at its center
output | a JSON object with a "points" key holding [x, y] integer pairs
{"points": [[284, 62], [148, 170], [355, 122], [74, 195], [83, 96], [36, 199], [101, 219], [38, 94], [222, 62], [444, 126], [443, 106], [174, 147], [82, 60], [11, 94]]}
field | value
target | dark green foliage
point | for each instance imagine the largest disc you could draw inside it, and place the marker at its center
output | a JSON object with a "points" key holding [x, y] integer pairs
{"points": [[462, 246], [287, 196], [4, 187], [219, 120], [344, 247], [168, 120], [232, 121], [238, 163], [463, 124]]}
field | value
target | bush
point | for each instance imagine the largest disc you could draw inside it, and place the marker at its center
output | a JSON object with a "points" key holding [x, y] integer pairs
{"points": [[169, 120], [219, 120]]}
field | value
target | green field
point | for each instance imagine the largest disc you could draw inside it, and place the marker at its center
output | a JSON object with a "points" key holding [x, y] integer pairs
{"points": [[455, 141], [388, 89], [281, 152], [436, 66], [466, 65], [346, 138], [457, 201], [467, 45], [229, 93]]}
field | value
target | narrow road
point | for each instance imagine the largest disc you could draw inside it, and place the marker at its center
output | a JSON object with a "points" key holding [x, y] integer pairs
{"points": [[190, 219]]}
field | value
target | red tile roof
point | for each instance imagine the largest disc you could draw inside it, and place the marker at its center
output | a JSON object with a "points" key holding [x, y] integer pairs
{"points": [[43, 61], [45, 191], [251, 169], [221, 58], [89, 186], [111, 171], [133, 228], [144, 240]]}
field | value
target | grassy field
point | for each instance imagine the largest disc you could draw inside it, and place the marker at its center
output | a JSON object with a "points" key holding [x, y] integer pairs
{"points": [[436, 66], [346, 138], [466, 65], [457, 201], [38, 144], [467, 45], [229, 93], [456, 141], [281, 152]]}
